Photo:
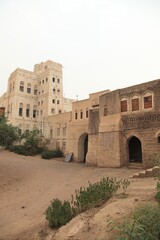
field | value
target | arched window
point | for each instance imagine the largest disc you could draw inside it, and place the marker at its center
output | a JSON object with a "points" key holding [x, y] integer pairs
{"points": [[34, 111], [28, 88], [76, 114], [21, 109], [86, 112], [21, 87], [81, 114], [27, 110]]}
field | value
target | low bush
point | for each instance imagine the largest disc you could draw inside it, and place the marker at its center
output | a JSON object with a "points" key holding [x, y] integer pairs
{"points": [[26, 150], [20, 149], [49, 154], [58, 213], [95, 194], [58, 153], [144, 224]]}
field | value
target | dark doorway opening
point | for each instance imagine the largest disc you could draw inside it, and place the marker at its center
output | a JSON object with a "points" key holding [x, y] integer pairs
{"points": [[135, 150], [83, 147]]}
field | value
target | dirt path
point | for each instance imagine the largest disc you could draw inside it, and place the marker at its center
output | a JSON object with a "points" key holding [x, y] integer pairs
{"points": [[28, 184]]}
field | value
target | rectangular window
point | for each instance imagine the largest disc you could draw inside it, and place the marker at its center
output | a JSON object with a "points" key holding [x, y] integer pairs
{"points": [[20, 112], [28, 90], [135, 104], [21, 88], [124, 106], [35, 91], [58, 81], [58, 101], [27, 112], [34, 113], [86, 113], [76, 115], [53, 79], [148, 102], [53, 100], [81, 115], [46, 79]]}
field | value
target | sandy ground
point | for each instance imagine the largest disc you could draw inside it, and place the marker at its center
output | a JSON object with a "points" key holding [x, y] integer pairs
{"points": [[28, 184]]}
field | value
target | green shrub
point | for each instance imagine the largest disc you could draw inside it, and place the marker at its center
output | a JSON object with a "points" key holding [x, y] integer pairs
{"points": [[95, 194], [20, 149], [144, 224], [58, 213], [58, 153], [48, 154]]}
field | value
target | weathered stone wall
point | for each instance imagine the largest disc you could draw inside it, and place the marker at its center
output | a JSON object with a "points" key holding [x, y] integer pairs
{"points": [[109, 149], [92, 155]]}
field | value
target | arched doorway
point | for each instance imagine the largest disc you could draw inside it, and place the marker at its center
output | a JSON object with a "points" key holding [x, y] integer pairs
{"points": [[83, 147], [135, 150]]}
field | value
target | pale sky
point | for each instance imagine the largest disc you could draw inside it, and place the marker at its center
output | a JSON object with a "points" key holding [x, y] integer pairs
{"points": [[102, 44]]}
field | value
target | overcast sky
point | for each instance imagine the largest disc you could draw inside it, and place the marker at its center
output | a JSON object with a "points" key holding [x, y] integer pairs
{"points": [[102, 44]]}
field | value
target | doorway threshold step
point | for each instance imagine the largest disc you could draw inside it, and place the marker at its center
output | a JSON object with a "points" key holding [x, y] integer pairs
{"points": [[135, 165]]}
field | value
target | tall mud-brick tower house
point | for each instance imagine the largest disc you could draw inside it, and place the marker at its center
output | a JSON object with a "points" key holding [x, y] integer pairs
{"points": [[31, 97]]}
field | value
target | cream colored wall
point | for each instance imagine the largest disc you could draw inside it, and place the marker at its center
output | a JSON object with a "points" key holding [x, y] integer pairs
{"points": [[57, 130]]}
